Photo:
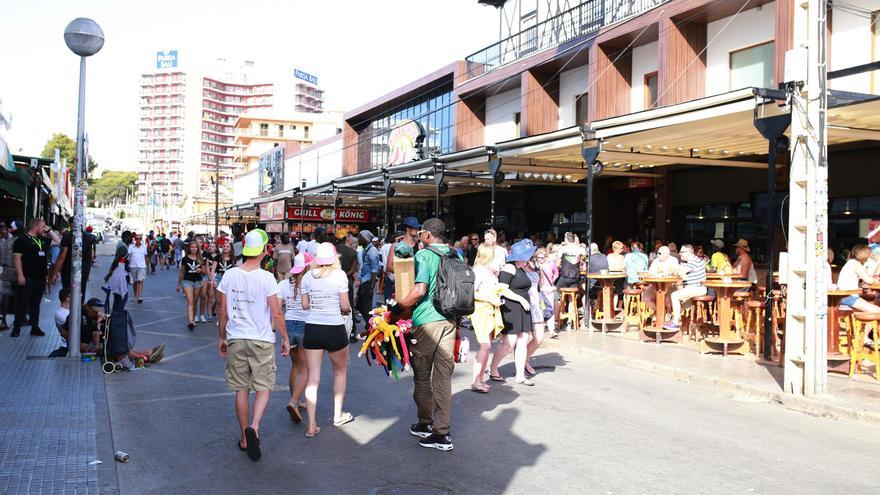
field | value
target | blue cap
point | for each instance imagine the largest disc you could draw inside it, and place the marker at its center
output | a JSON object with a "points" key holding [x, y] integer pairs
{"points": [[522, 251], [411, 222], [875, 247]]}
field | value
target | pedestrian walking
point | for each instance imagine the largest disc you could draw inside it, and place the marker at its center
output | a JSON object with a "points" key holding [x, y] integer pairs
{"points": [[368, 273], [348, 263], [209, 283], [138, 259], [8, 276], [324, 291], [30, 253], [283, 256], [64, 262], [189, 278], [179, 247], [290, 293], [486, 319], [516, 312], [249, 311], [432, 353]]}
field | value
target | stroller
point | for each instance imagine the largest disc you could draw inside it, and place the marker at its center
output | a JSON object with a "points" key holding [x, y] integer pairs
{"points": [[118, 337]]}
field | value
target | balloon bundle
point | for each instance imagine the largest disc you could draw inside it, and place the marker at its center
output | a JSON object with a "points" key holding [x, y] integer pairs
{"points": [[388, 344]]}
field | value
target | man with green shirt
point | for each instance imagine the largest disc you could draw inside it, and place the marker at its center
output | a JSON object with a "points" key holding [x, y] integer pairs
{"points": [[432, 354]]}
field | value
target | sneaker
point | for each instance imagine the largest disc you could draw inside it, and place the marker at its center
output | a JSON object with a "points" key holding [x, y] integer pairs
{"points": [[352, 339], [36, 332], [437, 441], [15, 332], [421, 430], [672, 326], [203, 319]]}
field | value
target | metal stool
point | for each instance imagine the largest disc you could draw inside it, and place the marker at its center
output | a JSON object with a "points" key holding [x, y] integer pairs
{"points": [[568, 303], [859, 350]]}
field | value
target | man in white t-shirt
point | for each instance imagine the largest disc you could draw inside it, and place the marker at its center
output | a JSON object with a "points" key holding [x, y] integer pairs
{"points": [[138, 257], [248, 309]]}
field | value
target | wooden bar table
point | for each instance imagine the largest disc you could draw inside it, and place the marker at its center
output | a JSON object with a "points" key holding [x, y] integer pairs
{"points": [[657, 333], [727, 341], [606, 280], [837, 361]]}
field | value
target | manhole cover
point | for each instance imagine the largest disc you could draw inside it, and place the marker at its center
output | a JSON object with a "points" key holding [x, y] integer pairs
{"points": [[406, 489]]}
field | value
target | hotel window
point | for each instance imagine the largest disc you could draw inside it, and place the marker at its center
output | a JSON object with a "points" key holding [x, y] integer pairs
{"points": [[292, 128], [280, 130], [264, 129], [650, 89], [306, 131], [580, 108], [753, 66]]}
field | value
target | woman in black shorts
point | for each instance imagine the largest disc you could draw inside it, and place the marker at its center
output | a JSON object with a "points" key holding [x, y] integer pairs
{"points": [[515, 312], [325, 297]]}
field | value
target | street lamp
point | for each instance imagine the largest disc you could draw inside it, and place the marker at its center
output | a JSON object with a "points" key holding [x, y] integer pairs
{"points": [[85, 38]]}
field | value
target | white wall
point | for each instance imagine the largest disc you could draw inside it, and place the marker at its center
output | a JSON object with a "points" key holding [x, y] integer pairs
{"points": [[571, 84], [645, 59], [851, 42], [500, 108], [317, 164], [244, 187], [751, 27]]}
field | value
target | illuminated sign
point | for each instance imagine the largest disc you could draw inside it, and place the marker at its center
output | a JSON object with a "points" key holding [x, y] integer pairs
{"points": [[404, 142], [322, 214], [270, 178], [272, 211], [305, 76], [166, 60]]}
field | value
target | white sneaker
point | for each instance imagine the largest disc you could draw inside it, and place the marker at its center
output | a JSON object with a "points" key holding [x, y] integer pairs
{"points": [[203, 319]]}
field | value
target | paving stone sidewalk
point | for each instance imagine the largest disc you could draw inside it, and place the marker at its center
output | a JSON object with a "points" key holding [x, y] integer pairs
{"points": [[53, 413]]}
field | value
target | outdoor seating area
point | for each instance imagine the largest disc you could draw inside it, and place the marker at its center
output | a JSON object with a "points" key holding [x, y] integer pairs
{"points": [[730, 319]]}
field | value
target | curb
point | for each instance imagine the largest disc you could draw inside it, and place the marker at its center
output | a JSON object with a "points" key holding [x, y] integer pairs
{"points": [[812, 407]]}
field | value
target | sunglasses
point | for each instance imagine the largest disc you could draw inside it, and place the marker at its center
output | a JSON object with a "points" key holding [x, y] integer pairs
{"points": [[475, 239]]}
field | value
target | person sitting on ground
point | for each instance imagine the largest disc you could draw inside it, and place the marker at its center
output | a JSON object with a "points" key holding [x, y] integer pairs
{"points": [[693, 271], [61, 315]]}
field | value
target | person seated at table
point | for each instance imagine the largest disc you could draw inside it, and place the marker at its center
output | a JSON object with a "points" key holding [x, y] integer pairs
{"points": [[635, 262], [852, 273], [718, 255], [693, 272], [872, 266], [616, 265], [598, 264], [744, 268], [664, 265], [699, 253]]}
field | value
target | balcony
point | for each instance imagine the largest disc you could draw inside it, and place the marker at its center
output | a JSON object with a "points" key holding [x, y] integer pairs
{"points": [[587, 18]]}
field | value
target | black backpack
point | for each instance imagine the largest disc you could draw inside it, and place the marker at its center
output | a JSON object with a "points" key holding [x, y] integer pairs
{"points": [[454, 293]]}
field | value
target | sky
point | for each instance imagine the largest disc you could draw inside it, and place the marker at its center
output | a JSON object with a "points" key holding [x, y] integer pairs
{"points": [[359, 50]]}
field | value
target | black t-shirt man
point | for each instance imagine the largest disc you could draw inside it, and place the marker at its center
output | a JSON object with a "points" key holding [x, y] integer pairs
{"points": [[88, 242], [347, 256], [34, 253]]}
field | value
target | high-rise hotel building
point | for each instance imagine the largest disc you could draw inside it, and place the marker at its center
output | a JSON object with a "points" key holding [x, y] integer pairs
{"points": [[186, 129]]}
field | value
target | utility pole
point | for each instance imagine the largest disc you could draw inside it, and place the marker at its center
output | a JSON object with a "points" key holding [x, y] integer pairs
{"points": [[217, 200], [806, 323]]}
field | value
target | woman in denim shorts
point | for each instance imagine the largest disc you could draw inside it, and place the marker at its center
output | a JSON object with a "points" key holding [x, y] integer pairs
{"points": [[225, 261], [295, 317], [192, 269]]}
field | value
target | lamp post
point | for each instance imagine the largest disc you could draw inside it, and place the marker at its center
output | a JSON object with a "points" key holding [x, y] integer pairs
{"points": [[85, 38]]}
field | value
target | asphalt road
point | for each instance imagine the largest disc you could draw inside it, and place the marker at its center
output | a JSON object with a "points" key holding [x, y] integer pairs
{"points": [[586, 427]]}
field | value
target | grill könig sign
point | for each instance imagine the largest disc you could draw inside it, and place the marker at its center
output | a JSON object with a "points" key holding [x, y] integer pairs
{"points": [[325, 214]]}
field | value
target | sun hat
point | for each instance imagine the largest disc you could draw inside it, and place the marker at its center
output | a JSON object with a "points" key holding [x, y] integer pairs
{"points": [[341, 234], [718, 243], [300, 262], [254, 242], [411, 222], [326, 254], [742, 243], [367, 235], [95, 303], [521, 251]]}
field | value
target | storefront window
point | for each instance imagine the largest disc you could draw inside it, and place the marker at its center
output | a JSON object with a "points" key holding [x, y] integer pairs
{"points": [[753, 66]]}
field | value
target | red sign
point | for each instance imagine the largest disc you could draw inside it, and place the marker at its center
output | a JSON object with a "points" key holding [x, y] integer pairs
{"points": [[633, 183], [325, 214]]}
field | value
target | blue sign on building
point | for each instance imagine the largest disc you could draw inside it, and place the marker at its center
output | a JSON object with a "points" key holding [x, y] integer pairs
{"points": [[166, 60], [304, 76]]}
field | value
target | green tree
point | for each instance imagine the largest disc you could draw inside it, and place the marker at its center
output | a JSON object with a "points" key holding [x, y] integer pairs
{"points": [[111, 188], [67, 145]]}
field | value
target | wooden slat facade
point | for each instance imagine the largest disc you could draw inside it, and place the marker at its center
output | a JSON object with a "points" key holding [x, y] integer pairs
{"points": [[609, 95], [470, 122], [682, 72], [784, 36], [540, 103], [349, 150]]}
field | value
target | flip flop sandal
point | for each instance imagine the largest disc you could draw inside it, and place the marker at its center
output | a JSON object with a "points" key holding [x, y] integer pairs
{"points": [[496, 378], [346, 418], [530, 373], [295, 416], [243, 449], [479, 390], [313, 435], [253, 444]]}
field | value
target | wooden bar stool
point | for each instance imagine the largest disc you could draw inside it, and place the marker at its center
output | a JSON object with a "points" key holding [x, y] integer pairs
{"points": [[568, 302], [702, 314], [846, 318], [632, 308], [740, 310], [858, 350], [754, 324]]}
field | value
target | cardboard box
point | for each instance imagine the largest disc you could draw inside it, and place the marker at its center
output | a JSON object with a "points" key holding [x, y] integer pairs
{"points": [[404, 276]]}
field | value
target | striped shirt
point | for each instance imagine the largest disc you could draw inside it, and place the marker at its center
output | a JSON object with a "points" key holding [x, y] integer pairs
{"points": [[696, 271]]}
